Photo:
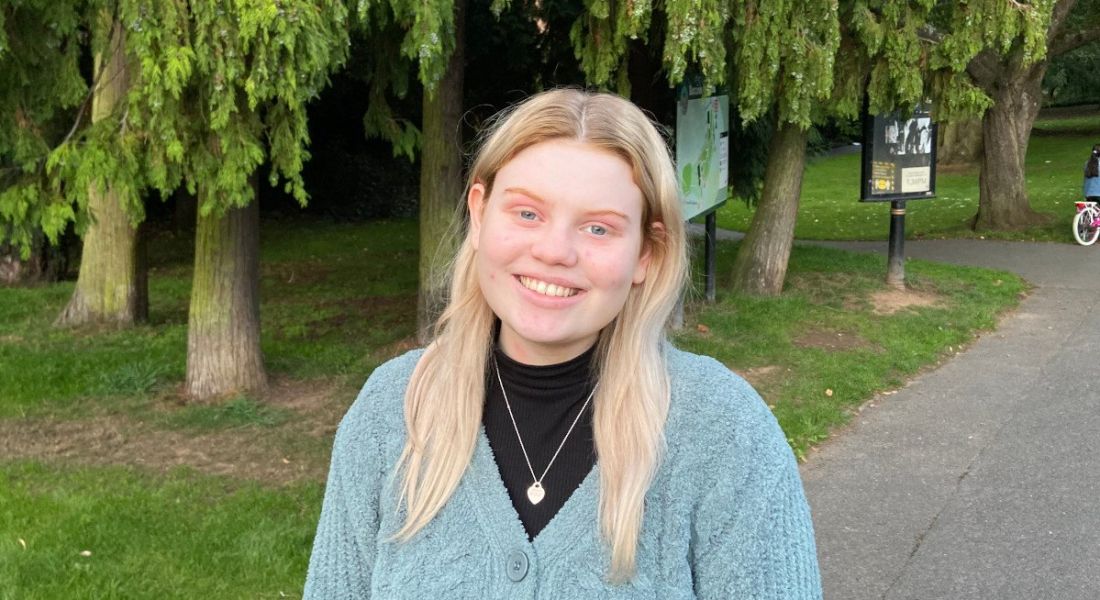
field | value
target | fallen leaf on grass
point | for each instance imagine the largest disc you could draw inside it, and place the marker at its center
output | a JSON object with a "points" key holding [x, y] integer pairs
{"points": [[702, 328], [22, 543]]}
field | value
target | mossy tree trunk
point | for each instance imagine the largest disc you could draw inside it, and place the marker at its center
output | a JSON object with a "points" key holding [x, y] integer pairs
{"points": [[761, 263], [1006, 127], [111, 286], [223, 331], [441, 183]]}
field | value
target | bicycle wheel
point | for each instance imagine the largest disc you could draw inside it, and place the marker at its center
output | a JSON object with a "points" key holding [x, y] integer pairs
{"points": [[1083, 230]]}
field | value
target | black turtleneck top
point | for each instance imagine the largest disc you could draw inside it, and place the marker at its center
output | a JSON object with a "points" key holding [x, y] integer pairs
{"points": [[544, 400]]}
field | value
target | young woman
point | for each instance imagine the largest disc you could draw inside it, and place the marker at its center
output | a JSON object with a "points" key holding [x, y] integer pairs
{"points": [[550, 442], [1092, 175]]}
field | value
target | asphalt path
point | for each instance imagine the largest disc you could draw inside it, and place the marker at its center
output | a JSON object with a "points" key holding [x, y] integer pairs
{"points": [[980, 478]]}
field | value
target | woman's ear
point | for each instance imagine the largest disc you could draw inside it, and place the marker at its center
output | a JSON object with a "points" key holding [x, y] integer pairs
{"points": [[475, 203], [656, 232]]}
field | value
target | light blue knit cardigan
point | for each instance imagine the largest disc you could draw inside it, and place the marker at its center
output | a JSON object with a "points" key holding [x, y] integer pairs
{"points": [[725, 516]]}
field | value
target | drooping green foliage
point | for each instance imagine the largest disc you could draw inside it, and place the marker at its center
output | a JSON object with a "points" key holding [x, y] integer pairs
{"points": [[250, 67], [784, 56], [40, 87], [217, 88], [378, 60], [971, 28], [600, 36]]}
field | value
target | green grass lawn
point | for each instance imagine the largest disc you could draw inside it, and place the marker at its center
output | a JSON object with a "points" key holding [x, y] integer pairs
{"points": [[823, 347], [116, 533], [327, 292], [830, 208]]}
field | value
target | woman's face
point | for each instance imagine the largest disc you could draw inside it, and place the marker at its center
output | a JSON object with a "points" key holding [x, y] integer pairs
{"points": [[559, 245]]}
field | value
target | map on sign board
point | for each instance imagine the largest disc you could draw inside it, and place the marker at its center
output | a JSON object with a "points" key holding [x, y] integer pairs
{"points": [[702, 152]]}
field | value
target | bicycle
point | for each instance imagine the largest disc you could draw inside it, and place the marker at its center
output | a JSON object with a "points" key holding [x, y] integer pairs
{"points": [[1086, 223]]}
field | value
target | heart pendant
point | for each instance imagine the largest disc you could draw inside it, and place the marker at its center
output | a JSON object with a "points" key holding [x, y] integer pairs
{"points": [[535, 493]]}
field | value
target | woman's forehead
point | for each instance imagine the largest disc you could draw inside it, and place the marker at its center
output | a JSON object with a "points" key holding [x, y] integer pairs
{"points": [[560, 170]]}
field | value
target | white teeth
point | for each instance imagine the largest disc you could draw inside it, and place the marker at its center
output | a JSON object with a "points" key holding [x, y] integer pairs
{"points": [[546, 289]]}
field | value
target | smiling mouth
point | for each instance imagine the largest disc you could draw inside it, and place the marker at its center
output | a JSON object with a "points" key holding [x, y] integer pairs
{"points": [[547, 289]]}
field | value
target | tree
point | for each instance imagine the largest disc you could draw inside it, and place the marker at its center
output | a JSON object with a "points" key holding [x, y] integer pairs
{"points": [[92, 174], [112, 285], [783, 63], [440, 173], [1006, 51], [255, 66], [218, 88]]}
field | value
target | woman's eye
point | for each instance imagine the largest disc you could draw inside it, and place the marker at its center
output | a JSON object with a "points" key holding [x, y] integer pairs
{"points": [[597, 229], [527, 215]]}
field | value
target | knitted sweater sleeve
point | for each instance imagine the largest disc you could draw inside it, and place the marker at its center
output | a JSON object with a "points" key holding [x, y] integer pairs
{"points": [[753, 537], [344, 546]]}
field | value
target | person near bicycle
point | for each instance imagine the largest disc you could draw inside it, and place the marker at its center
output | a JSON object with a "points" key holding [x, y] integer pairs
{"points": [[1092, 176]]}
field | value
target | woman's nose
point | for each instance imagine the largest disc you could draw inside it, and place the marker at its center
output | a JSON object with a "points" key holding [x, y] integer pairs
{"points": [[555, 246]]}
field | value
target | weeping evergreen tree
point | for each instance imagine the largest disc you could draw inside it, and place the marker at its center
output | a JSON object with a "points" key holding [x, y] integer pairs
{"points": [[112, 285], [213, 89], [441, 165], [253, 67], [1000, 50], [783, 65], [425, 38], [93, 170]]}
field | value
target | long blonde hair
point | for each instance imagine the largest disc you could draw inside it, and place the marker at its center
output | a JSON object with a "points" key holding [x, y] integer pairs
{"points": [[445, 397]]}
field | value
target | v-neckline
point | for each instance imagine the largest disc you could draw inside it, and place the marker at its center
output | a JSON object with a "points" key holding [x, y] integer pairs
{"points": [[499, 517]]}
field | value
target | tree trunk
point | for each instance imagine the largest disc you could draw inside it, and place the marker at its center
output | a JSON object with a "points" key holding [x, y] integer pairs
{"points": [[1006, 127], [959, 143], [440, 179], [761, 264], [223, 330], [112, 286]]}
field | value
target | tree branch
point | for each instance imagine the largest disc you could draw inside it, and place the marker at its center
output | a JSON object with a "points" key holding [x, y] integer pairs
{"points": [[1067, 42]]}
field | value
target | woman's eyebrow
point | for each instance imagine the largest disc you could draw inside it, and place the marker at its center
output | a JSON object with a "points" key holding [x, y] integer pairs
{"points": [[607, 212], [523, 192]]}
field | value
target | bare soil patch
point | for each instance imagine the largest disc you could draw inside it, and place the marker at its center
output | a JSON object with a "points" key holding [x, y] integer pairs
{"points": [[758, 376], [293, 452], [890, 301]]}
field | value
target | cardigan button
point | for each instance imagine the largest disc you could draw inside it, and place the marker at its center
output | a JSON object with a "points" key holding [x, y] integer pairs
{"points": [[517, 566]]}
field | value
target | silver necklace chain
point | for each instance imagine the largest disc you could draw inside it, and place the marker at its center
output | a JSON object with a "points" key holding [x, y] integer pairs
{"points": [[535, 492]]}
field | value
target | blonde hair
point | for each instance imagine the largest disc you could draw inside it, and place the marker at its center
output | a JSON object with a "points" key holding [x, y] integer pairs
{"points": [[445, 396]]}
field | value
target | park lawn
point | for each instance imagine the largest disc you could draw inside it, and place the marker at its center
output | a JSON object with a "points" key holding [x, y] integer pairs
{"points": [[113, 532], [830, 209], [98, 454], [328, 291], [837, 335]]}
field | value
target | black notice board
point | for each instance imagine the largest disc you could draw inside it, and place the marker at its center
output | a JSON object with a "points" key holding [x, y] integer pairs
{"points": [[899, 157]]}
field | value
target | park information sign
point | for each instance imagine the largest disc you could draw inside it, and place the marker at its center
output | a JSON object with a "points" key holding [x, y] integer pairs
{"points": [[702, 150], [899, 157]]}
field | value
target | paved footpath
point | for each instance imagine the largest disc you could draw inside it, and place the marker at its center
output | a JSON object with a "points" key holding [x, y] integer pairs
{"points": [[981, 478]]}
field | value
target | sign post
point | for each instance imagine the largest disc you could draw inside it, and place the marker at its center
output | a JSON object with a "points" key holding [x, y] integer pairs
{"points": [[899, 164], [702, 162]]}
